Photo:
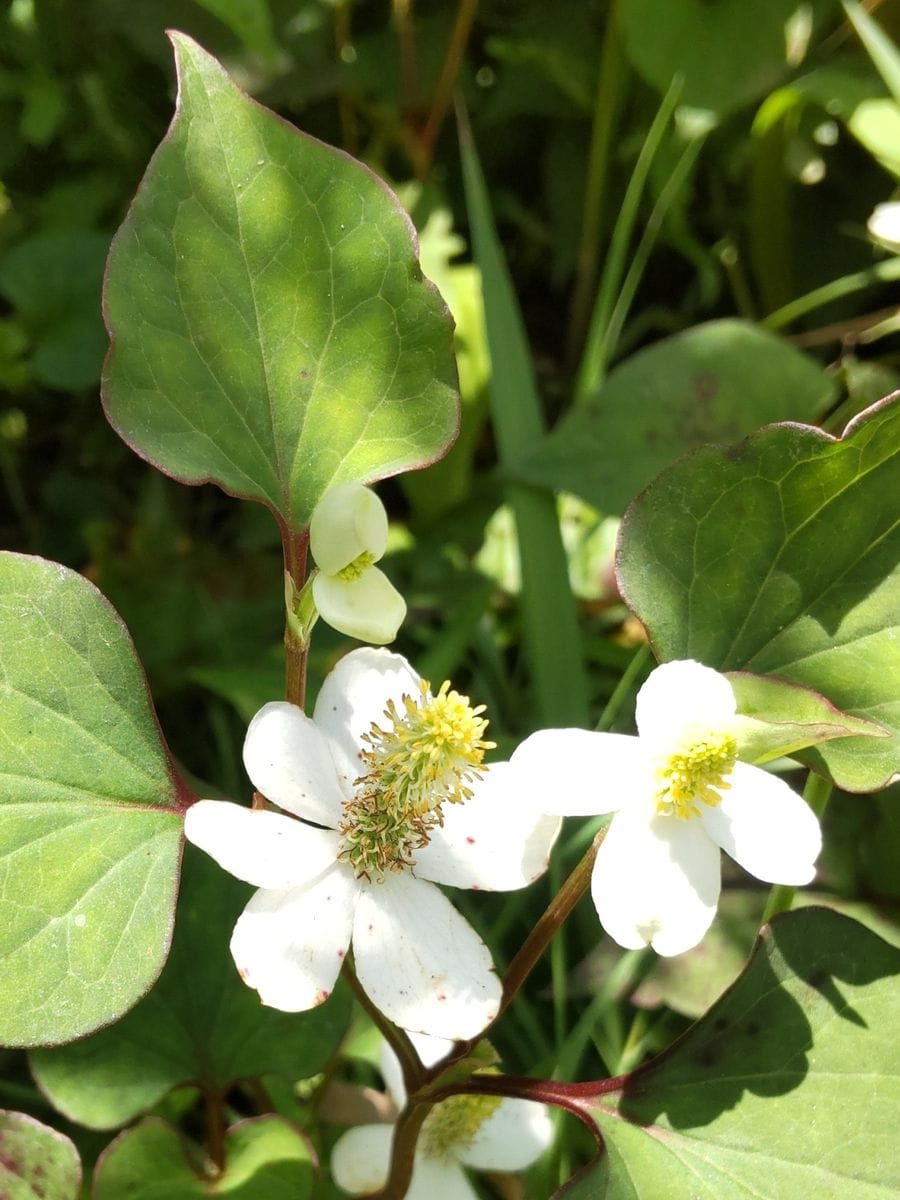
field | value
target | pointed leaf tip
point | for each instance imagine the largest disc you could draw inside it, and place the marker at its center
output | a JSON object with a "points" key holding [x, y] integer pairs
{"points": [[270, 327]]}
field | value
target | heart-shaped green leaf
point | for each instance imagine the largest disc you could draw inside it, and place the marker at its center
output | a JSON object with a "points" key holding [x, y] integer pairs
{"points": [[90, 811], [713, 383], [265, 1159], [271, 330], [36, 1163], [789, 1086], [200, 1024], [781, 556]]}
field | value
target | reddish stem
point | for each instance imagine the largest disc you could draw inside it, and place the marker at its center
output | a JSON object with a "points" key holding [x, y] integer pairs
{"points": [[215, 1128]]}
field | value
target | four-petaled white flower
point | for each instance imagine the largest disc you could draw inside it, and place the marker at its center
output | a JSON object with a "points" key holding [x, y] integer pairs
{"points": [[392, 798], [679, 794], [486, 1133], [348, 534]]}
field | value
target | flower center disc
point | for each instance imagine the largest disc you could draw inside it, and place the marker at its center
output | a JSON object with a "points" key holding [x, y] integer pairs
{"points": [[695, 773], [429, 757]]}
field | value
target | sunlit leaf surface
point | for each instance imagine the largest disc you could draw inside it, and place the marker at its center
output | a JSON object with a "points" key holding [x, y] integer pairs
{"points": [[90, 813], [265, 1159], [781, 556], [200, 1024], [271, 330]]}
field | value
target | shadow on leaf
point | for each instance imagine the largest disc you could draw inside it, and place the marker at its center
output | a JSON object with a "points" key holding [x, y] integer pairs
{"points": [[762, 1034]]}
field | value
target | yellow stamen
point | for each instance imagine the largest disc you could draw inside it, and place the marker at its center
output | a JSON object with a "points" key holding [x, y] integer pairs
{"points": [[358, 567], [428, 757], [696, 774], [451, 1126]]}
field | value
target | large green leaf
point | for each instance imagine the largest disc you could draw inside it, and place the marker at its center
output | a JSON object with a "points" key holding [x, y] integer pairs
{"points": [[36, 1162], [265, 1159], [713, 383], [199, 1025], [90, 811], [729, 52], [788, 1087], [780, 556], [271, 330]]}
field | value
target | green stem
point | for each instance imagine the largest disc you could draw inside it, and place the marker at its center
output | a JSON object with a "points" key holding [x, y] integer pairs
{"points": [[558, 910], [638, 661], [443, 92], [397, 1039], [593, 363], [883, 272], [673, 185], [559, 970], [816, 794], [295, 547], [215, 1128], [728, 255], [607, 106], [342, 39], [406, 1135]]}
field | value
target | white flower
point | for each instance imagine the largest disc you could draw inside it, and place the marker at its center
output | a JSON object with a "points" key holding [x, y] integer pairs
{"points": [[884, 224], [392, 780], [348, 533], [679, 794], [488, 1133]]}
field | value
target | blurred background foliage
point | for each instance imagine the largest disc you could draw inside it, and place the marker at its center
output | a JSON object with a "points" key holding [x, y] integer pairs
{"points": [[652, 165]]}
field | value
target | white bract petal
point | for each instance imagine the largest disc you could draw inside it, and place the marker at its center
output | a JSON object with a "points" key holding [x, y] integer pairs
{"points": [[360, 1162], [656, 881], [290, 762], [354, 697], [439, 1180], [290, 945], [368, 607], [766, 827], [576, 773], [361, 1159], [491, 841], [421, 963], [679, 699], [884, 224], [262, 848], [681, 795], [348, 521], [512, 1138]]}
